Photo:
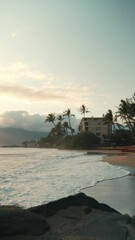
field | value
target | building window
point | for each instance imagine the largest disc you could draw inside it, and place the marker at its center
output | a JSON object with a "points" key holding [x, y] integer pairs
{"points": [[98, 123], [86, 123], [86, 129], [98, 129]]}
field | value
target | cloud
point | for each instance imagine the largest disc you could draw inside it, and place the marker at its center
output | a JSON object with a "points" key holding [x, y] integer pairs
{"points": [[31, 94], [21, 73], [64, 96], [24, 120], [20, 82], [27, 121], [26, 84]]}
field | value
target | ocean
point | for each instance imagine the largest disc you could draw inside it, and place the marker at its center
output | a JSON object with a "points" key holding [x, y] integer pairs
{"points": [[34, 176]]}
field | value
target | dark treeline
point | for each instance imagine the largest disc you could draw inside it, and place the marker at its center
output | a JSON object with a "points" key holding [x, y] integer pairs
{"points": [[123, 122], [63, 135]]}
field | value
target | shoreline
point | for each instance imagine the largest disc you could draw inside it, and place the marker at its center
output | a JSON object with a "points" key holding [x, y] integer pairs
{"points": [[121, 159], [105, 212], [126, 160], [118, 193]]}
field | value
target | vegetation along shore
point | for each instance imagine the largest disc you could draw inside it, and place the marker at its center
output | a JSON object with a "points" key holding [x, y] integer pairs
{"points": [[112, 129]]}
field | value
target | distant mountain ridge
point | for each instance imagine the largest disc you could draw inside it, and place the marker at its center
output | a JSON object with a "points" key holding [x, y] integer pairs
{"points": [[16, 136]]}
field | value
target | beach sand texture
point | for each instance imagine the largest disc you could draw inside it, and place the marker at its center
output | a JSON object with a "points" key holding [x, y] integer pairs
{"points": [[121, 159], [118, 193]]}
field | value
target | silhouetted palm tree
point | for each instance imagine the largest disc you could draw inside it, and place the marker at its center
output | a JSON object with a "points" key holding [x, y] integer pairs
{"points": [[83, 109], [68, 114], [126, 112], [51, 118], [59, 129], [66, 127], [60, 118], [109, 119]]}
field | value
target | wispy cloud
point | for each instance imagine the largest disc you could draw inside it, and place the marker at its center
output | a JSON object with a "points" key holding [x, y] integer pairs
{"points": [[19, 72], [22, 82], [29, 93], [44, 94]]}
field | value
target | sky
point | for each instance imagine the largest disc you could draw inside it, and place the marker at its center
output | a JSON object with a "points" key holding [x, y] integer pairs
{"points": [[59, 54]]}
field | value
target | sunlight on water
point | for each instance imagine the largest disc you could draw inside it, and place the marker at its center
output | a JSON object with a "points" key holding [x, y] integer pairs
{"points": [[30, 177]]}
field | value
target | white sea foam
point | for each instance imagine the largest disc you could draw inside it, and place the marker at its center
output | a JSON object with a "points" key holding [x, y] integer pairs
{"points": [[30, 177]]}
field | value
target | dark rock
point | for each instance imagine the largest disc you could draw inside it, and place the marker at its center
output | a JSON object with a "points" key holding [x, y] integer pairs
{"points": [[30, 224], [87, 210], [52, 208], [107, 226], [105, 207], [79, 199], [15, 220]]}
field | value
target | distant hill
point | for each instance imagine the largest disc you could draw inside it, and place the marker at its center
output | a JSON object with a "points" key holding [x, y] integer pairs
{"points": [[15, 136]]}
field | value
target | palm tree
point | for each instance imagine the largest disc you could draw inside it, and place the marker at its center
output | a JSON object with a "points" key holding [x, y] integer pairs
{"points": [[68, 114], [83, 109], [59, 129], [109, 119], [66, 127], [131, 111], [126, 112], [60, 118], [51, 118]]}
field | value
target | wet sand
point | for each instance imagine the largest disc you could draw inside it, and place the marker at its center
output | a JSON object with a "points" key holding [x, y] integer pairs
{"points": [[118, 193], [121, 159]]}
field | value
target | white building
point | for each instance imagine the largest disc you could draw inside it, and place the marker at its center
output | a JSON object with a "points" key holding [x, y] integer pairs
{"points": [[96, 126]]}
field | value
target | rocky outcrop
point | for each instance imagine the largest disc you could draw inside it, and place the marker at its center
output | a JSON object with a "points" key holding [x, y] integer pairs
{"points": [[77, 217], [15, 220], [111, 226], [79, 199]]}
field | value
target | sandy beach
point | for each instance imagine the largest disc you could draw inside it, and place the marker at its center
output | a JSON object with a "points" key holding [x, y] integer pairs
{"points": [[121, 159], [118, 193]]}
